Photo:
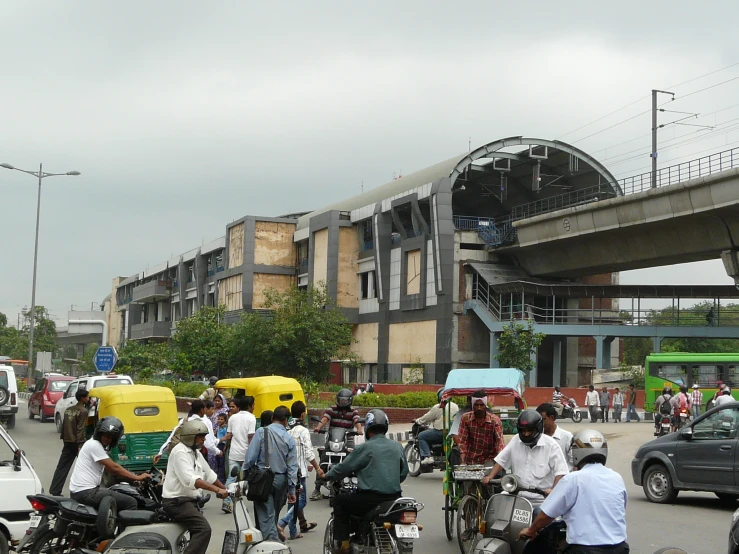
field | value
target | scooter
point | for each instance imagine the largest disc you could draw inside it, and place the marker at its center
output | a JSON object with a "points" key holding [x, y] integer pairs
{"points": [[507, 514], [572, 410], [413, 454]]}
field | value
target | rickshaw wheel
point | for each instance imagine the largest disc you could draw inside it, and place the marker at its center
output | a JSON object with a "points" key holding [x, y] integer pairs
{"points": [[449, 516], [468, 524]]}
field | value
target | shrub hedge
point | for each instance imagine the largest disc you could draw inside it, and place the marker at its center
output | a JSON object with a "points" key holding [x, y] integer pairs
{"points": [[179, 388], [404, 400]]}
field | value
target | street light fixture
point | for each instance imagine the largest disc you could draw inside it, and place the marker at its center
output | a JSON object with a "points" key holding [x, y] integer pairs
{"points": [[41, 175]]}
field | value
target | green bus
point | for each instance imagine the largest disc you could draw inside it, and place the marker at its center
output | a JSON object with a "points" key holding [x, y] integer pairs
{"points": [[673, 369]]}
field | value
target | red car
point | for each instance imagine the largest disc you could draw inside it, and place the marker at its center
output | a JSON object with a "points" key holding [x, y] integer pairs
{"points": [[47, 391]]}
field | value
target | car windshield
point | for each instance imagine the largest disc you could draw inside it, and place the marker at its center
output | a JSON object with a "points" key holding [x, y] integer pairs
{"points": [[109, 382], [4, 379], [58, 386]]}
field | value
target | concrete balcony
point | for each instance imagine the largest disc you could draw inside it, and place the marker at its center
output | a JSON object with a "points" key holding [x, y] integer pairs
{"points": [[151, 330], [153, 291]]}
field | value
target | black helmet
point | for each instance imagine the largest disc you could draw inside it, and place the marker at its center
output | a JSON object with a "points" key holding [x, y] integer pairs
{"points": [[344, 398], [667, 390], [589, 446], [439, 393], [376, 421], [111, 426], [530, 420], [213, 380], [556, 388]]}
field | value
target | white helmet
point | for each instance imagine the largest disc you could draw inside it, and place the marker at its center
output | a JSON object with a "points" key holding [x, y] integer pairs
{"points": [[589, 446], [190, 430]]}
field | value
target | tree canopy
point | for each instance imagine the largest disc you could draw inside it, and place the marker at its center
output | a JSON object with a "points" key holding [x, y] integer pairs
{"points": [[516, 344]]}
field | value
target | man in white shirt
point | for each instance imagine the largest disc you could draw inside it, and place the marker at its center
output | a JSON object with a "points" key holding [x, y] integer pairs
{"points": [[535, 458], [93, 459], [188, 471], [434, 419], [724, 398], [592, 401], [563, 437], [591, 500], [241, 428]]}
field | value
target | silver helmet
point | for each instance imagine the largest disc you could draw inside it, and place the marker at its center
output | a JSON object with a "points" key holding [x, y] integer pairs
{"points": [[190, 430], [589, 446]]}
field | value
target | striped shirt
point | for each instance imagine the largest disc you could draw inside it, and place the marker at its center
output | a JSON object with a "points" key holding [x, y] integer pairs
{"points": [[697, 397], [342, 417]]}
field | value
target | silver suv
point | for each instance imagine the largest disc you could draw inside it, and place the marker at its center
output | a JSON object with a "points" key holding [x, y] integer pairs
{"points": [[88, 382]]}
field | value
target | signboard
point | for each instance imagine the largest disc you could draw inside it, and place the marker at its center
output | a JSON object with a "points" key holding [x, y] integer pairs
{"points": [[105, 359]]}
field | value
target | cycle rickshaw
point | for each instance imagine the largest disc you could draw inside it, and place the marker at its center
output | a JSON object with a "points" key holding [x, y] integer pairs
{"points": [[464, 497]]}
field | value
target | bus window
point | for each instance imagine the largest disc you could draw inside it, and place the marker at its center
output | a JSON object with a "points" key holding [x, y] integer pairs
{"points": [[706, 375], [732, 375], [675, 373]]}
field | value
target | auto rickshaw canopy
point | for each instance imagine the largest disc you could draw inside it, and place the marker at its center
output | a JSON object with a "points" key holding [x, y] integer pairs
{"points": [[269, 391], [141, 408], [494, 381]]}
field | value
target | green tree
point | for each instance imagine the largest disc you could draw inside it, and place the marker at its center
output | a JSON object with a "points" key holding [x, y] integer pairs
{"points": [[143, 361], [636, 350], [44, 331], [516, 344], [302, 334], [201, 342], [86, 363]]}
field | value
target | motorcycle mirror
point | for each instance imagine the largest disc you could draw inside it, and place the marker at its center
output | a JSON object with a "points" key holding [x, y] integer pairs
{"points": [[234, 471], [686, 432]]}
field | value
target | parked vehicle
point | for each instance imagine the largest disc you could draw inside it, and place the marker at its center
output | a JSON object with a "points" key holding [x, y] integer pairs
{"points": [[571, 410], [268, 392], [88, 382], [8, 396], [18, 480], [413, 453], [148, 415], [508, 514], [44, 396], [700, 457]]}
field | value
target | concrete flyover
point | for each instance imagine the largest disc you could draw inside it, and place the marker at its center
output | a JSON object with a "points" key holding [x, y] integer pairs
{"points": [[688, 221]]}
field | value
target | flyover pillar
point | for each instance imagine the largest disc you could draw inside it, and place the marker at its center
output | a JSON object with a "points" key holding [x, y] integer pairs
{"points": [[656, 344], [603, 352], [494, 351], [557, 362]]}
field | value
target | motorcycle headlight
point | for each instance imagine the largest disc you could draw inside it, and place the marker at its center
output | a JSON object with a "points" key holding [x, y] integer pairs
{"points": [[509, 483], [335, 447]]}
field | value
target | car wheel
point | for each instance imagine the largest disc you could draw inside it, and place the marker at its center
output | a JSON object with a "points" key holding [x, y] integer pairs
{"points": [[30, 411], [58, 421], [657, 485], [726, 497], [4, 546], [41, 417]]}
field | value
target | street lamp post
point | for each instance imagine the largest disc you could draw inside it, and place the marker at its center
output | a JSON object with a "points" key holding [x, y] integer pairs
{"points": [[41, 175]]}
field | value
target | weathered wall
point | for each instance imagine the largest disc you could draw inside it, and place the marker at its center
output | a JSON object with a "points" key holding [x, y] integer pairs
{"points": [[229, 292], [411, 341], [366, 346], [413, 273], [236, 245], [273, 243], [473, 342], [320, 255], [265, 281], [347, 293]]}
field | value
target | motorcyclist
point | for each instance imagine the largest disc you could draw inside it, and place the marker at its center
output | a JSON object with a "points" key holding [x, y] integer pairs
{"points": [[680, 400], [724, 398], [558, 398], [591, 500], [534, 457], [380, 467], [340, 415], [434, 419], [210, 392], [188, 471], [85, 485], [663, 399]]}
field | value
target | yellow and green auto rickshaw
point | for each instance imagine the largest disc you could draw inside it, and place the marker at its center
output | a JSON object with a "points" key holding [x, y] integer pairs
{"points": [[268, 391], [148, 415]]}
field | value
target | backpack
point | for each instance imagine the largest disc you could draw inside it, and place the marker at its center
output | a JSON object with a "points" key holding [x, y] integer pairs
{"points": [[683, 401], [665, 408], [176, 437]]}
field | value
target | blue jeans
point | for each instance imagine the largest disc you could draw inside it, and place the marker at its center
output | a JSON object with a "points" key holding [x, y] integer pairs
{"points": [[290, 517], [231, 464], [632, 410], [268, 512], [696, 410], [426, 439]]}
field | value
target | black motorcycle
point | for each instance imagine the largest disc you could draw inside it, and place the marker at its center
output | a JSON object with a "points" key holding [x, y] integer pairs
{"points": [[413, 453], [339, 443], [45, 508]]}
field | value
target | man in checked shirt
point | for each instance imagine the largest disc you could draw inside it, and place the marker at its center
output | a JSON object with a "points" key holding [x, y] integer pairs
{"points": [[480, 434]]}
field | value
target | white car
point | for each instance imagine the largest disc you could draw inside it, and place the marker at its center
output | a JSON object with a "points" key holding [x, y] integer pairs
{"points": [[88, 382], [8, 396], [18, 479]]}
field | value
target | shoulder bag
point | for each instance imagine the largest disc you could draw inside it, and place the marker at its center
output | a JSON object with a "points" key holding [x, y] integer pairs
{"points": [[260, 480]]}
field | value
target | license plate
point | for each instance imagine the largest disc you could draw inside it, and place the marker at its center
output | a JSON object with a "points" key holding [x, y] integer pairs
{"points": [[665, 426], [406, 531], [521, 516], [35, 520]]}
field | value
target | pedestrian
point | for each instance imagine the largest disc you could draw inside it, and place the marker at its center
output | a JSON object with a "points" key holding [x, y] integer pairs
{"points": [[220, 407], [605, 401], [73, 435], [697, 398], [306, 462], [592, 401], [241, 428], [283, 461], [631, 405], [221, 430], [618, 404]]}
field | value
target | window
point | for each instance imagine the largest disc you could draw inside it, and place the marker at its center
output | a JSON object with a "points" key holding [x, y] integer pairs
{"points": [[413, 272], [721, 425], [190, 273], [732, 375], [4, 379], [405, 216], [40, 386], [148, 411], [675, 373], [108, 382], [367, 286], [706, 374], [58, 386], [367, 235], [71, 390]]}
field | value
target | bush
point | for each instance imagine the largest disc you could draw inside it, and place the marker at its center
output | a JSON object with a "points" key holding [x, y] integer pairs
{"points": [[21, 384], [404, 400], [179, 388]]}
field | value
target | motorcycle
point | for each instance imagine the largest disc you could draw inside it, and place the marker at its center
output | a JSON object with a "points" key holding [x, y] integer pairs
{"points": [[389, 528], [571, 410], [337, 447], [413, 453], [45, 508], [682, 418], [664, 425], [507, 514]]}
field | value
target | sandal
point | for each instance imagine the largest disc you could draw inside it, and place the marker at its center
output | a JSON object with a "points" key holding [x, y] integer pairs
{"points": [[298, 536], [281, 533], [309, 527]]}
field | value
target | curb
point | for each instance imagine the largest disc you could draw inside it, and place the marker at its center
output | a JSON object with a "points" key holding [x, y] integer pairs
{"points": [[24, 395]]}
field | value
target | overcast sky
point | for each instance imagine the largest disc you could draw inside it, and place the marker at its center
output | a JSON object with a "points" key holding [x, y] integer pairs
{"points": [[182, 116]]}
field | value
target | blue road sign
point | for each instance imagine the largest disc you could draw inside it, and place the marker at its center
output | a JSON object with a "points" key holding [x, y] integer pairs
{"points": [[105, 359]]}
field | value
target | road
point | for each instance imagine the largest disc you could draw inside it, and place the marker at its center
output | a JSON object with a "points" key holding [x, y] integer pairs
{"points": [[697, 522]]}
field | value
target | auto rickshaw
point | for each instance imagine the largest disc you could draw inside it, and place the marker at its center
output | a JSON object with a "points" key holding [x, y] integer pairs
{"points": [[269, 391], [148, 415]]}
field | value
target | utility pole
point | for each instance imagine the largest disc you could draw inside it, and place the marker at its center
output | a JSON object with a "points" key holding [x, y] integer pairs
{"points": [[654, 133]]}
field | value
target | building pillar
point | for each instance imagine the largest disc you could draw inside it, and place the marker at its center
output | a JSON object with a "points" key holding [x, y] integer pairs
{"points": [[603, 352], [557, 362], [494, 351], [657, 344], [534, 372]]}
